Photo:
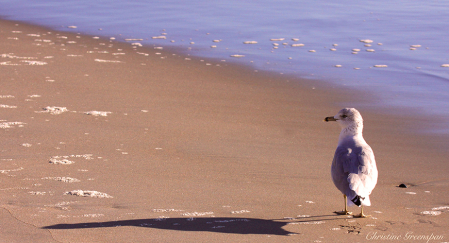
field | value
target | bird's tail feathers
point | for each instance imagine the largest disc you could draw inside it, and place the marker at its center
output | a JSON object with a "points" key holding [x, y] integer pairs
{"points": [[357, 194]]}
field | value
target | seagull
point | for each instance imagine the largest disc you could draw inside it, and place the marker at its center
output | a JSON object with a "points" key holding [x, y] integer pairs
{"points": [[354, 169]]}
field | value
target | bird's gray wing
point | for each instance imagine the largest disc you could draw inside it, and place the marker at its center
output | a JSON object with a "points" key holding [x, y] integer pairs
{"points": [[362, 170]]}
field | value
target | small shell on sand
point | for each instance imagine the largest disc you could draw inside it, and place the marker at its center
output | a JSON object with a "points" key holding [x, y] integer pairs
{"points": [[444, 65], [72, 27], [380, 66], [297, 45], [82, 193], [135, 39], [216, 41], [237, 55], [415, 46], [159, 37], [312, 51], [295, 39], [250, 42], [338, 66], [333, 49], [355, 49], [278, 39], [370, 50], [98, 113]]}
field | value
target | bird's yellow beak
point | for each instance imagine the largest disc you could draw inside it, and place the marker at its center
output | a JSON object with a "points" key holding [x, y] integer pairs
{"points": [[329, 118]]}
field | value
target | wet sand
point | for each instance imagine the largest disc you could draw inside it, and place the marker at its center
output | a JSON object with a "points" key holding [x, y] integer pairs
{"points": [[113, 142]]}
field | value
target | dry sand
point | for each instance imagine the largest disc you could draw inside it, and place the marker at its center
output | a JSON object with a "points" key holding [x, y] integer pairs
{"points": [[111, 142]]}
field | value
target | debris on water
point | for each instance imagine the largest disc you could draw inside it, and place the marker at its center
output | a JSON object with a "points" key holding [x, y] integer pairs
{"points": [[366, 41]]}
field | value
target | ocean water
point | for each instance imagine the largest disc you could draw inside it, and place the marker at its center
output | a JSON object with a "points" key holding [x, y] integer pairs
{"points": [[408, 39]]}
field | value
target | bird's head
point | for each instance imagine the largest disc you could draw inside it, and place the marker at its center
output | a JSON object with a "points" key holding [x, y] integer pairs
{"points": [[346, 117]]}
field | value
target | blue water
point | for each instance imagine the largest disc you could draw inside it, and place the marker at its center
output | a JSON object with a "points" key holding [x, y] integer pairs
{"points": [[412, 79]]}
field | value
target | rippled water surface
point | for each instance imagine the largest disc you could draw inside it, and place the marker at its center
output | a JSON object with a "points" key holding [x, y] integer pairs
{"points": [[408, 39]]}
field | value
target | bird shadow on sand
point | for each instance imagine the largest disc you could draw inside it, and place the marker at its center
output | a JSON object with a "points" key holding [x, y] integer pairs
{"points": [[228, 225], [215, 224]]}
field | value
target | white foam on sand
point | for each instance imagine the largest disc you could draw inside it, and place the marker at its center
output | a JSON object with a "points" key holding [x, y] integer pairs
{"points": [[8, 106], [82, 193], [13, 170], [4, 124], [63, 179], [197, 214], [431, 213], [108, 61], [441, 208], [38, 63], [240, 211], [59, 161], [163, 210], [98, 113], [64, 159], [54, 110]]}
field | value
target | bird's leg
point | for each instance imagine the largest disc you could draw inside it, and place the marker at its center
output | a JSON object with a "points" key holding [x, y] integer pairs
{"points": [[361, 215], [345, 212]]}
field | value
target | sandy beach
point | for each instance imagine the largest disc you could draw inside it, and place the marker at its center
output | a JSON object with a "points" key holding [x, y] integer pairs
{"points": [[113, 142]]}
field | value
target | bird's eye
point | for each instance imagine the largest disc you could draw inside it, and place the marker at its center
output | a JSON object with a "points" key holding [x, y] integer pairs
{"points": [[344, 116]]}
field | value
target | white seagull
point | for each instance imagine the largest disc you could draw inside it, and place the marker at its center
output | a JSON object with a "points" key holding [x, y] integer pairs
{"points": [[353, 170]]}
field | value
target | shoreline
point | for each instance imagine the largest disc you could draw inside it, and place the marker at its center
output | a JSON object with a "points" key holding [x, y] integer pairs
{"points": [[180, 139]]}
